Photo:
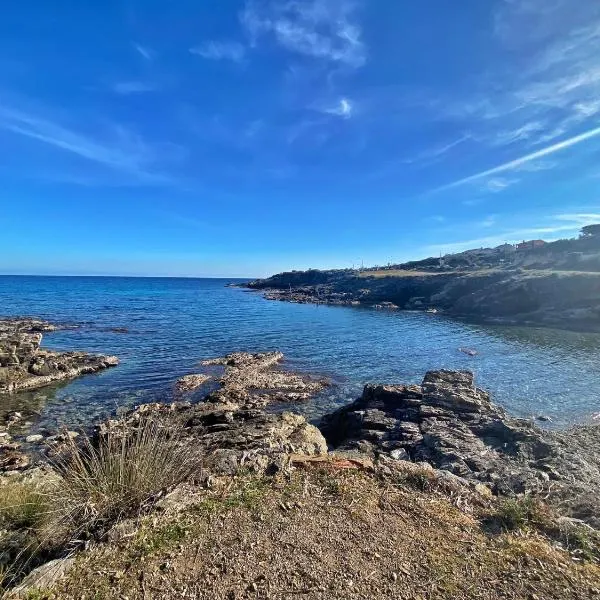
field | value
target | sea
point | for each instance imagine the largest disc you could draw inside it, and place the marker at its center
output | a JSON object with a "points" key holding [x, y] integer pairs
{"points": [[162, 328]]}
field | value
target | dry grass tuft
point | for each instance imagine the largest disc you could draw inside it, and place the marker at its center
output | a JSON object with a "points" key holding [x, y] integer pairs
{"points": [[103, 482], [22, 505], [94, 484]]}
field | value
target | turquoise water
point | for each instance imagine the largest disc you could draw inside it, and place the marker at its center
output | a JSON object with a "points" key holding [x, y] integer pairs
{"points": [[175, 323]]}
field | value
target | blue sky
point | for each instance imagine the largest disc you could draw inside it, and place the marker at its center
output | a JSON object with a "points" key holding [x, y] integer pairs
{"points": [[244, 137]]}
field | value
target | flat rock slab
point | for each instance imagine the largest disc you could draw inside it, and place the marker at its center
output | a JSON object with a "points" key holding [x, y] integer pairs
{"points": [[24, 365], [42, 578]]}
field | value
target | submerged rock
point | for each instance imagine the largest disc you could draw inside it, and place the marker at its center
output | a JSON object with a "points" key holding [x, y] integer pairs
{"points": [[450, 423], [189, 383], [24, 365]]}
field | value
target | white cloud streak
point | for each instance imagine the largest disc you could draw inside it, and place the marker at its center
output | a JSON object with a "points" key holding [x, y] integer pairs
{"points": [[215, 50], [524, 160], [144, 52], [124, 152]]}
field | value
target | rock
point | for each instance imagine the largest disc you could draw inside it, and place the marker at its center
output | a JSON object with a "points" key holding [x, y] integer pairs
{"points": [[252, 379], [399, 454], [188, 383], [230, 427], [450, 423], [12, 458], [24, 365], [33, 439], [43, 577]]}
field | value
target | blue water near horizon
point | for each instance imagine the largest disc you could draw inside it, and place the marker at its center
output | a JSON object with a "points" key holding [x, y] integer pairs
{"points": [[175, 323]]}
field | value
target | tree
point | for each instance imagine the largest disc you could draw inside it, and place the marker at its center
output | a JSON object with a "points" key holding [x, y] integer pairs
{"points": [[590, 230]]}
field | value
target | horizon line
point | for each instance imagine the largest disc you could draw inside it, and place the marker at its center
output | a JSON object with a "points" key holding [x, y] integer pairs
{"points": [[125, 276]]}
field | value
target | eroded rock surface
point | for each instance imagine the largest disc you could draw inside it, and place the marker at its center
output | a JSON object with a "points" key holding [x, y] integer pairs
{"points": [[252, 379], [231, 427], [24, 365], [189, 383], [450, 423]]}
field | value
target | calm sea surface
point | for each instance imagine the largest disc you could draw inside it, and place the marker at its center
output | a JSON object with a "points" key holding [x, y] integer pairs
{"points": [[175, 323]]}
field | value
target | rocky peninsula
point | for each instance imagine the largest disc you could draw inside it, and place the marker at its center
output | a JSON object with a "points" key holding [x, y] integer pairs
{"points": [[24, 365], [554, 284]]}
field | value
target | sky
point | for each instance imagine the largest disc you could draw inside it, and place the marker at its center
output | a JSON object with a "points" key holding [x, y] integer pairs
{"points": [[246, 137]]}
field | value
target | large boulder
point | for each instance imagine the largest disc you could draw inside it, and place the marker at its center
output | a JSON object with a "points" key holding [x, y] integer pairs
{"points": [[450, 423]]}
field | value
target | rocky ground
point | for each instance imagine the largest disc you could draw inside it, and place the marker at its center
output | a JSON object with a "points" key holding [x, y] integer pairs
{"points": [[25, 366], [327, 530], [426, 492], [451, 424]]}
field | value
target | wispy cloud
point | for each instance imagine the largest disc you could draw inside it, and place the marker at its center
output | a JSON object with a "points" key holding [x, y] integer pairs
{"points": [[143, 51], [524, 160], [343, 108], [557, 226], [323, 29], [436, 152], [121, 150], [220, 50], [498, 184]]}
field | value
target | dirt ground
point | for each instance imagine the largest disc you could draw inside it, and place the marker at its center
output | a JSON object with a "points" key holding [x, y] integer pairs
{"points": [[325, 534]]}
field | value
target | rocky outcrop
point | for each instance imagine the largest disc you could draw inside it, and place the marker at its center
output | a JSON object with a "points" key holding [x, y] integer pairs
{"points": [[253, 380], [24, 365], [231, 427], [450, 423]]}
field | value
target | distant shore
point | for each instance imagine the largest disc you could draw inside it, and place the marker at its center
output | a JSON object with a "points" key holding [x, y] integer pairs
{"points": [[540, 298]]}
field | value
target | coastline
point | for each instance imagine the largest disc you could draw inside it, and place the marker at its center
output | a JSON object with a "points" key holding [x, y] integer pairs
{"points": [[560, 300]]}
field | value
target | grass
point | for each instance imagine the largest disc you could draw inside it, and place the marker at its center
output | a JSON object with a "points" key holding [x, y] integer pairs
{"points": [[103, 482], [149, 541], [22, 505], [526, 513], [521, 512], [94, 484]]}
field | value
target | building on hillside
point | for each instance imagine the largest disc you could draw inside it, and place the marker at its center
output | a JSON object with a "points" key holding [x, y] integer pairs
{"points": [[531, 245]]}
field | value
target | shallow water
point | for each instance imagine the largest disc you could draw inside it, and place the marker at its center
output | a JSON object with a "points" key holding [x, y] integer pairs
{"points": [[175, 323]]}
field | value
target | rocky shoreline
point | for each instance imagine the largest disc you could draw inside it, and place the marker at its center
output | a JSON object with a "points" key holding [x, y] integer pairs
{"points": [[446, 423], [452, 425], [24, 365], [445, 436], [545, 298]]}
